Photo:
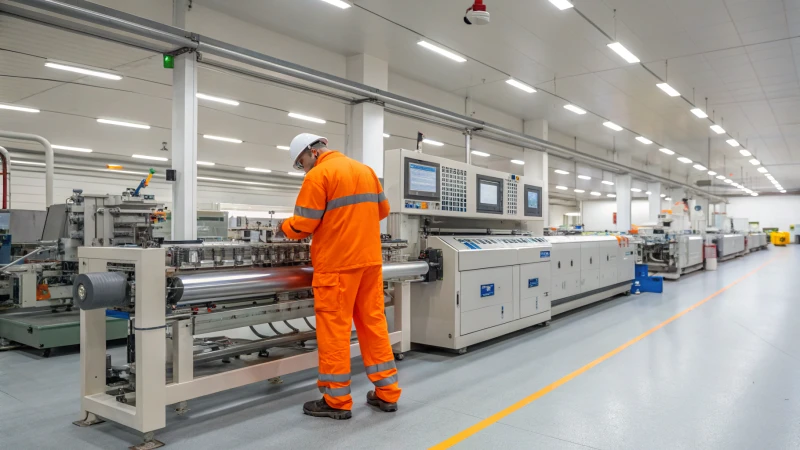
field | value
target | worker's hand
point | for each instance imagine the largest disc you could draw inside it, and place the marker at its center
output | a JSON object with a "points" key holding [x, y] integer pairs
{"points": [[279, 230]]}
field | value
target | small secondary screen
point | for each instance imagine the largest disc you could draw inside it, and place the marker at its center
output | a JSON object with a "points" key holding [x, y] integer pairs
{"points": [[533, 199], [422, 178], [488, 193]]}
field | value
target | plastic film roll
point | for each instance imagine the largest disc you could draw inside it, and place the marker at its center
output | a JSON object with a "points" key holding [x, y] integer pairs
{"points": [[100, 290]]}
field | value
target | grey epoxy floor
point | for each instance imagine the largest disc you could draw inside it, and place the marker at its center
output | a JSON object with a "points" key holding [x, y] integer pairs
{"points": [[724, 376]]}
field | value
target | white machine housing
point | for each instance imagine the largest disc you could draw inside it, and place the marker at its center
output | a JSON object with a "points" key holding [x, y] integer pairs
{"points": [[587, 269], [756, 241], [729, 246], [493, 285]]}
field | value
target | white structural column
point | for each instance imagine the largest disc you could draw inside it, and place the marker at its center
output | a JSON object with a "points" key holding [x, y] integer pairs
{"points": [[365, 121], [623, 202], [654, 200], [537, 164], [184, 147]]}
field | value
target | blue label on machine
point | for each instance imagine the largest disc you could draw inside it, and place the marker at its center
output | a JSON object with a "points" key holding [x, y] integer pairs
{"points": [[544, 254], [533, 282], [487, 290]]}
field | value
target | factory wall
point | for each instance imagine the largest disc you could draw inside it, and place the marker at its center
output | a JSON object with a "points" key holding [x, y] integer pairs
{"points": [[769, 211], [598, 215]]}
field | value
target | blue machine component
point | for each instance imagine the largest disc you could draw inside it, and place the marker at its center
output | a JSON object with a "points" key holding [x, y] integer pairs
{"points": [[487, 290], [5, 249], [544, 254], [643, 282], [533, 282]]}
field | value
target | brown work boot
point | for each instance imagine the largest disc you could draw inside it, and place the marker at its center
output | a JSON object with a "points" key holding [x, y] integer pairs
{"points": [[373, 400], [320, 408]]}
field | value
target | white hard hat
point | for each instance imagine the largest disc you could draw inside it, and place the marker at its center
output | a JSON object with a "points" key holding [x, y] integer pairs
{"points": [[301, 142]]}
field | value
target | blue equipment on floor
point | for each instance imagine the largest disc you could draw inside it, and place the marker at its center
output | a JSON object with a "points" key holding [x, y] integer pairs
{"points": [[643, 282]]}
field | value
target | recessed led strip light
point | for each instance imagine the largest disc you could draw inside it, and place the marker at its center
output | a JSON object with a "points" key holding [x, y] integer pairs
{"points": [[668, 89], [124, 124], [306, 118], [297, 174], [636, 190], [644, 140], [338, 3], [205, 163], [72, 149], [584, 177], [432, 142], [152, 158], [700, 167], [561, 188], [755, 162], [256, 169], [478, 153], [623, 52], [28, 163], [744, 152], [595, 193], [562, 172], [18, 108], [579, 191], [562, 4], [717, 129], [611, 195], [83, 70], [387, 135], [720, 177], [518, 162], [663, 195], [575, 109], [217, 99], [282, 147], [606, 182], [666, 151], [441, 51], [222, 138], [612, 125], [699, 113], [520, 85], [733, 142], [712, 173], [685, 160], [763, 170]]}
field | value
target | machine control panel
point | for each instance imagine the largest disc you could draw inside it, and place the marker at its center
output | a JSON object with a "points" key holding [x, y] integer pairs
{"points": [[478, 243]]}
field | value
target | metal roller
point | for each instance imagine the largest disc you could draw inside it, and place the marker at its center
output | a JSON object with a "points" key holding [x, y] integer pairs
{"points": [[100, 290], [188, 289]]}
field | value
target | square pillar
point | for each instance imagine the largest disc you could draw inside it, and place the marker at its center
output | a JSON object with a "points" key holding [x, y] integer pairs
{"points": [[365, 120], [537, 164], [623, 202], [654, 200], [184, 147]]}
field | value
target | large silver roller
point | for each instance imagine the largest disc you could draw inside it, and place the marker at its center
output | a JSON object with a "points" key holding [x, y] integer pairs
{"points": [[194, 288]]}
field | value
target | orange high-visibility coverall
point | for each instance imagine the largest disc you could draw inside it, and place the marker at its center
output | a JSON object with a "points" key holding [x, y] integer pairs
{"points": [[342, 203]]}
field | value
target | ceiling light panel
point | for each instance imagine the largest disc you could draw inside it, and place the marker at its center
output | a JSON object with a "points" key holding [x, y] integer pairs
{"points": [[256, 169], [733, 142], [636, 190], [432, 142], [151, 158], [205, 163], [575, 109], [720, 177], [700, 167], [83, 70], [520, 85], [217, 99], [283, 147], [72, 149], [699, 113], [612, 125], [712, 173], [755, 162], [387, 135], [666, 151], [579, 191], [596, 194], [763, 170], [717, 129], [623, 52], [18, 108], [611, 195], [222, 138], [306, 118], [561, 188], [584, 177], [668, 89], [644, 140], [441, 51], [477, 153], [685, 160], [338, 3], [744, 152], [610, 183], [124, 124], [562, 4], [562, 172], [518, 162]]}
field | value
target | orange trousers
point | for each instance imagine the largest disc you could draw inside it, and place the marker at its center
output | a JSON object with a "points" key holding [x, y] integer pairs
{"points": [[341, 298]]}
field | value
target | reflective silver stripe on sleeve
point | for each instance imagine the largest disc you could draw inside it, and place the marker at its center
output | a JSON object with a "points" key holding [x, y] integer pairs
{"points": [[381, 197], [338, 392], [354, 199], [380, 367], [336, 378], [386, 381], [308, 213]]}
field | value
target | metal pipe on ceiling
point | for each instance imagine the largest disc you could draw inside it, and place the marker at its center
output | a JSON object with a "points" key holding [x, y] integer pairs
{"points": [[6, 177], [49, 159], [91, 12]]}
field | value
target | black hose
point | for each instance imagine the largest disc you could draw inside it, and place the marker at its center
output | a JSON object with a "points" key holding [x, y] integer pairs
{"points": [[253, 329], [309, 323], [273, 329], [294, 330]]}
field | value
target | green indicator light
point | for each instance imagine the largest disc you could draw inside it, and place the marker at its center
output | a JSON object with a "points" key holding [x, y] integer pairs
{"points": [[169, 62]]}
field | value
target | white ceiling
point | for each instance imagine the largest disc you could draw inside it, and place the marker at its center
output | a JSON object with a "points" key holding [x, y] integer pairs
{"points": [[740, 54]]}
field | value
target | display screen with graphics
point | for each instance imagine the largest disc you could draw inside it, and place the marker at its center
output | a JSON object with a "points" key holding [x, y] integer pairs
{"points": [[422, 181], [489, 195], [533, 201]]}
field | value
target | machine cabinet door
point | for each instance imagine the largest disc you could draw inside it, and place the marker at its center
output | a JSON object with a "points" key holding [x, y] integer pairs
{"points": [[535, 288], [486, 298], [608, 254], [608, 276], [558, 287], [590, 256], [627, 262], [573, 284], [590, 280]]}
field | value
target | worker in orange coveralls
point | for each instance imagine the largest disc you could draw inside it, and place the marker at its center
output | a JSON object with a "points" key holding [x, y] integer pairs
{"points": [[342, 203]]}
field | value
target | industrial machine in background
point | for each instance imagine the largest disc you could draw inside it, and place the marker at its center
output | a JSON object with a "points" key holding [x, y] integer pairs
{"points": [[499, 274], [37, 287], [780, 238], [668, 249], [755, 241]]}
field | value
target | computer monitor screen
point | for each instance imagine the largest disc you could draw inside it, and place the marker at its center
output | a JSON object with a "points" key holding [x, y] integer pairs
{"points": [[422, 180], [490, 195], [533, 201]]}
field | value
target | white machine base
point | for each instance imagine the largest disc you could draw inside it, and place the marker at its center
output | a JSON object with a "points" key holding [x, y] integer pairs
{"points": [[677, 275], [582, 300]]}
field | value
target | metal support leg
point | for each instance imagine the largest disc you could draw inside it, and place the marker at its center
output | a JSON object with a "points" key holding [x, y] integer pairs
{"points": [[93, 361], [182, 351], [402, 316], [148, 442]]}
